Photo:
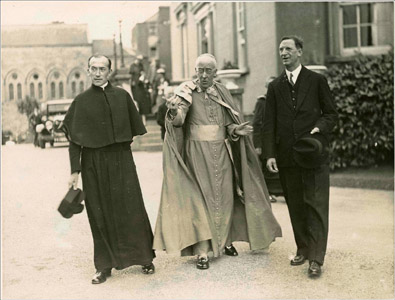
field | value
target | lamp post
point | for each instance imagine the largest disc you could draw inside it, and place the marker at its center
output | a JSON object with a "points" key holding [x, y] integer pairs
{"points": [[115, 53], [120, 43]]}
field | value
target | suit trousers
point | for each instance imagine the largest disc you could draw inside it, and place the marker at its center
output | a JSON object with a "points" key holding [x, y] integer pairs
{"points": [[307, 195]]}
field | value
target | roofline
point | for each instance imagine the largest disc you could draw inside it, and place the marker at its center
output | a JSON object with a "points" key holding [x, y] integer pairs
{"points": [[45, 24], [47, 45]]}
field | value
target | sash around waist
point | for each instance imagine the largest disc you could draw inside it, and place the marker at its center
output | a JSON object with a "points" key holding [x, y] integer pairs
{"points": [[206, 133]]}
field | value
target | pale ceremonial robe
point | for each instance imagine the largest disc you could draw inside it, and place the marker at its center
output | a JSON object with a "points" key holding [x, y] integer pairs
{"points": [[198, 201]]}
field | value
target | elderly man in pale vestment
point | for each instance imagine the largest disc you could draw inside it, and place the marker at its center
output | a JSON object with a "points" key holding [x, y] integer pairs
{"points": [[213, 190]]}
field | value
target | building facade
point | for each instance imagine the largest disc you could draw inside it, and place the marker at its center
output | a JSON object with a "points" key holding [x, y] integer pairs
{"points": [[246, 35], [152, 39], [44, 61], [50, 61]]}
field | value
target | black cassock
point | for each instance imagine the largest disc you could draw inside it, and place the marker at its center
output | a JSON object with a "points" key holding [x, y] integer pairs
{"points": [[100, 126]]}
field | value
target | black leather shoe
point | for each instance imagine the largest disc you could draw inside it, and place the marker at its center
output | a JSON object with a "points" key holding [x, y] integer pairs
{"points": [[314, 269], [202, 263], [298, 260], [149, 269], [101, 276], [231, 250]]}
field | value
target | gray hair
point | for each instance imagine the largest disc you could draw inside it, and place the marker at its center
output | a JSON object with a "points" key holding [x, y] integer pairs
{"points": [[206, 55]]}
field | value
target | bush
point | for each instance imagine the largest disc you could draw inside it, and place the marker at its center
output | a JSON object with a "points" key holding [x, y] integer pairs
{"points": [[13, 121], [27, 105], [363, 91]]}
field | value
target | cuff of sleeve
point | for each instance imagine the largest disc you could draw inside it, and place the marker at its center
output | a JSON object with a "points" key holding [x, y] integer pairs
{"points": [[234, 137], [77, 170]]}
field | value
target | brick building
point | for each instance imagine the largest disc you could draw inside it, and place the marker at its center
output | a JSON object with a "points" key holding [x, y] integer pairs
{"points": [[152, 38], [247, 35]]}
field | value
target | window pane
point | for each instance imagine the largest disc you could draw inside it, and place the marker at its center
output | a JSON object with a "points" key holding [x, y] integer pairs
{"points": [[53, 92], [32, 93], [349, 14], [350, 37], [19, 91], [60, 89], [366, 36], [73, 89], [40, 90], [11, 90], [366, 13]]}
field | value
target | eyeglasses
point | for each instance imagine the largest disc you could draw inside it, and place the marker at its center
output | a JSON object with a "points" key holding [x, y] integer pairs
{"points": [[95, 69], [207, 70]]}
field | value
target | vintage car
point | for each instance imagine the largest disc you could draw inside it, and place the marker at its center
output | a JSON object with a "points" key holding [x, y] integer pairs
{"points": [[50, 129]]}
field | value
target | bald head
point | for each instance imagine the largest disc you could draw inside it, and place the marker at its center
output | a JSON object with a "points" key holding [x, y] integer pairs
{"points": [[206, 58]]}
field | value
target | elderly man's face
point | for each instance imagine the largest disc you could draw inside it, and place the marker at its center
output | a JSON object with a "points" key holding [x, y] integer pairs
{"points": [[98, 70], [206, 70]]}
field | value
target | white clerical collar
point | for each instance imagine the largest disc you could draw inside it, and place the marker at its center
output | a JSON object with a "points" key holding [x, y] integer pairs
{"points": [[104, 85], [295, 73]]}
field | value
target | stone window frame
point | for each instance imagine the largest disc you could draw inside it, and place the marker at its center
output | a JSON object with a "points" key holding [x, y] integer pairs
{"points": [[374, 49], [241, 36], [205, 12], [182, 21], [17, 85], [35, 77], [74, 81], [55, 76]]}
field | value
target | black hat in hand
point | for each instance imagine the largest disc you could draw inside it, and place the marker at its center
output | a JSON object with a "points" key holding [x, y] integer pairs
{"points": [[311, 150], [71, 203]]}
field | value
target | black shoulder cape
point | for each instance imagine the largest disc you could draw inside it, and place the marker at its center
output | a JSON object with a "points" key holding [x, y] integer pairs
{"points": [[97, 118]]}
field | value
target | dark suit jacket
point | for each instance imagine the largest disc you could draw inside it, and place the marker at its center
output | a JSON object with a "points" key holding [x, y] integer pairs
{"points": [[257, 122], [283, 125]]}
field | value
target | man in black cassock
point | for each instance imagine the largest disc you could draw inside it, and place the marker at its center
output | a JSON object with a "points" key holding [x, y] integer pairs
{"points": [[100, 125]]}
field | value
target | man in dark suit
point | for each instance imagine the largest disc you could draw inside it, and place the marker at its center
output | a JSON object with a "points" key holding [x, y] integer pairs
{"points": [[299, 103]]}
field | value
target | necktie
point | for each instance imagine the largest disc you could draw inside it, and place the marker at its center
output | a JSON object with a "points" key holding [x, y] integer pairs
{"points": [[290, 80]]}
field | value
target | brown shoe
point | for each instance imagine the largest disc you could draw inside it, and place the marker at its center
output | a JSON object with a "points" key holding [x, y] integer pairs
{"points": [[298, 260], [101, 276]]}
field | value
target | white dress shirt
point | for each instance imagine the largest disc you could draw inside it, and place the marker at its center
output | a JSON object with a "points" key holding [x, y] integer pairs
{"points": [[295, 73]]}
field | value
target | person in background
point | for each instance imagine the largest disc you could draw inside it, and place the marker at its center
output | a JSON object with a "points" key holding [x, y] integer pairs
{"points": [[34, 120], [162, 110], [272, 179], [100, 125], [139, 88], [159, 84]]}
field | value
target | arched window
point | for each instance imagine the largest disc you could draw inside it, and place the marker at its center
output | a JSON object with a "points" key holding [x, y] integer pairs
{"points": [[81, 86], [19, 91], [40, 90], [32, 93], [53, 91], [11, 90], [61, 91], [73, 89]]}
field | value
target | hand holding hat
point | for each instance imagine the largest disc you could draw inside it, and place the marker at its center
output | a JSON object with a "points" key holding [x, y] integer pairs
{"points": [[311, 150], [71, 203]]}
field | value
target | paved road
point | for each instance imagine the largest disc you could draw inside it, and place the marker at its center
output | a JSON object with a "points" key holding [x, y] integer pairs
{"points": [[47, 257]]}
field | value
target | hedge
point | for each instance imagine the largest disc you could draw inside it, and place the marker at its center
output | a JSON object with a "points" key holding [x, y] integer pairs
{"points": [[363, 91]]}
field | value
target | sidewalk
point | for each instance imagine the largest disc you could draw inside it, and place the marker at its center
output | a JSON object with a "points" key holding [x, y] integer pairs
{"points": [[376, 178]]}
